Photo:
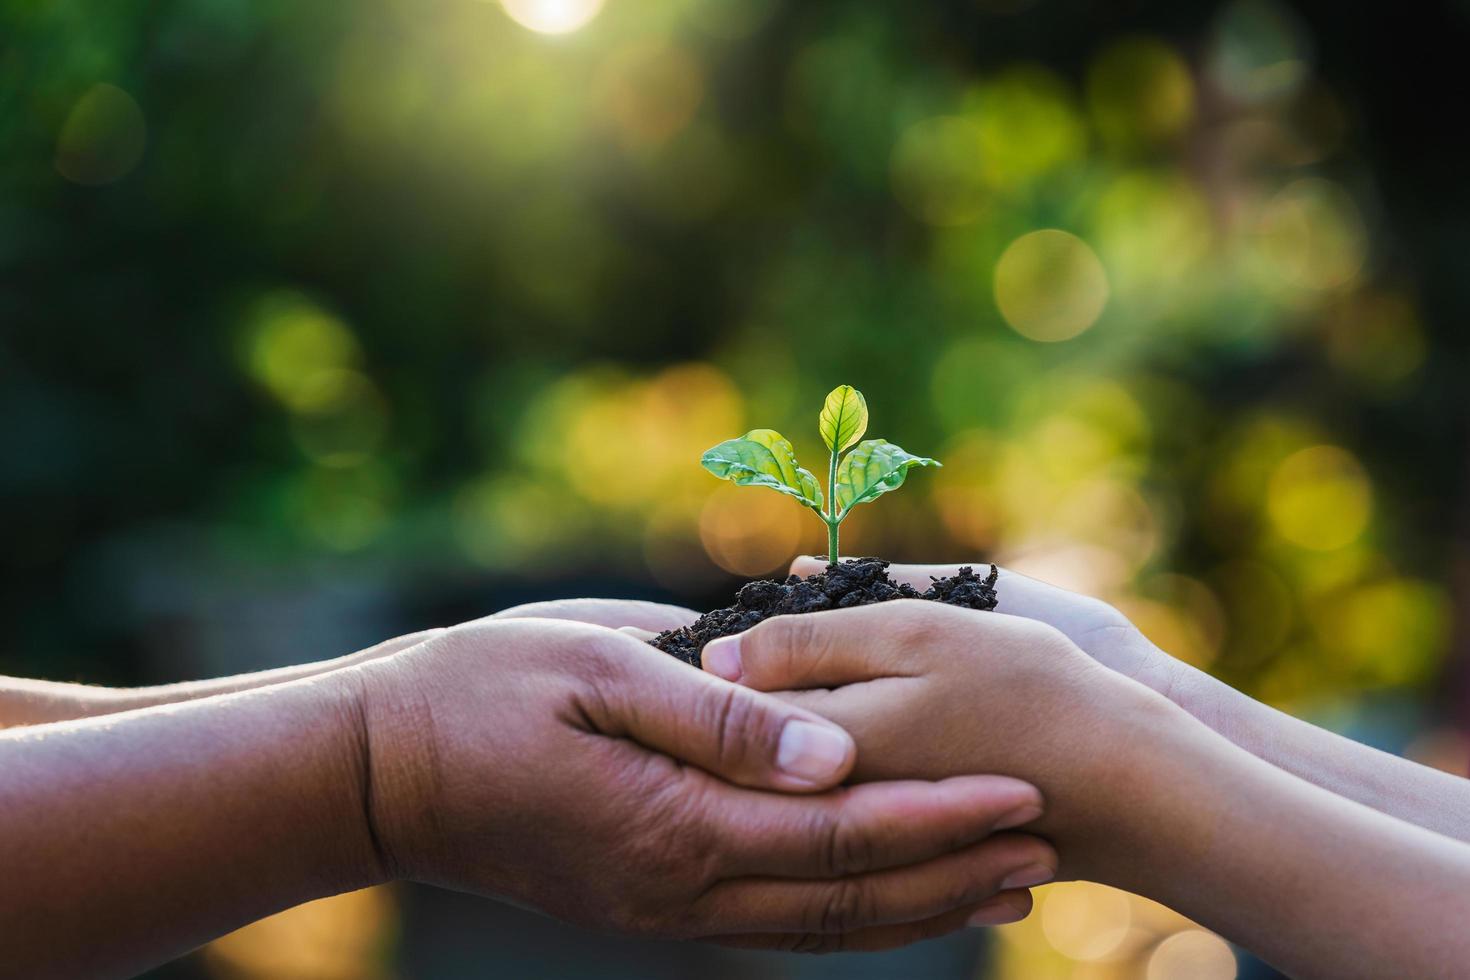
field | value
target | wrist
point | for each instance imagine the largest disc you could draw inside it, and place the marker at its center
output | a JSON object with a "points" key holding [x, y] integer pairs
{"points": [[1111, 808], [337, 786], [399, 771]]}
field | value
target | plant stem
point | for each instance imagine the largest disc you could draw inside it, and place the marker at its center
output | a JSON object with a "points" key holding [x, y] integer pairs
{"points": [[832, 521]]}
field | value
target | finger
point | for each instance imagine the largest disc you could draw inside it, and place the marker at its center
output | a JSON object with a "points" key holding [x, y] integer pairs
{"points": [[398, 643], [910, 893], [612, 613], [824, 649], [1010, 906], [638, 634], [863, 828], [741, 735]]}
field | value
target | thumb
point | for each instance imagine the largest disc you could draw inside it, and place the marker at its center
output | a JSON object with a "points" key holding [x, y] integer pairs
{"points": [[743, 736]]}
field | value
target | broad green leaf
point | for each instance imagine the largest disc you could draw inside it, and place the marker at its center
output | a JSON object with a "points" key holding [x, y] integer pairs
{"points": [[872, 469], [844, 418], [763, 458]]}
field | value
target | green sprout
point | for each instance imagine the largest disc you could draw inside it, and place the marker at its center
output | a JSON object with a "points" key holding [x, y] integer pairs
{"points": [[764, 458]]}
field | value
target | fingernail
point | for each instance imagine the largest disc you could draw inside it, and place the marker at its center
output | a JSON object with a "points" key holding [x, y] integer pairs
{"points": [[995, 913], [1028, 877], [814, 753], [721, 657], [1021, 814]]}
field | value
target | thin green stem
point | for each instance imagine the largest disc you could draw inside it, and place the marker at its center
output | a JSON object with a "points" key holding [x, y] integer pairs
{"points": [[832, 519]]}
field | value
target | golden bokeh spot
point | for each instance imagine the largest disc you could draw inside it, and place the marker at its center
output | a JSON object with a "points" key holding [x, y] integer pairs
{"points": [[103, 137], [1237, 488], [1140, 93], [1193, 954], [1050, 286], [1027, 126], [552, 16], [750, 533], [339, 938], [1072, 565], [1390, 632], [650, 90], [1172, 628], [1310, 236], [1085, 921], [1319, 498], [625, 444], [299, 351], [937, 171]]}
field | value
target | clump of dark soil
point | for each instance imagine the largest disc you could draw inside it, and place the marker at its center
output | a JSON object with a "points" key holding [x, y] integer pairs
{"points": [[860, 582]]}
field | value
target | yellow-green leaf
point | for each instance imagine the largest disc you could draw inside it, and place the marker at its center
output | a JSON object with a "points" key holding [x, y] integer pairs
{"points": [[872, 469], [844, 418], [763, 458]]}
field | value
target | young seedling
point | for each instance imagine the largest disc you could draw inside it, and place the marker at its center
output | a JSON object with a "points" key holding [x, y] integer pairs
{"points": [[764, 458]]}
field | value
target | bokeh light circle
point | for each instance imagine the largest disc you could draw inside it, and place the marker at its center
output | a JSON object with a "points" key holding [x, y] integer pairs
{"points": [[1050, 285], [1319, 498], [103, 137], [552, 16], [748, 533], [1192, 955], [937, 171], [1085, 921]]}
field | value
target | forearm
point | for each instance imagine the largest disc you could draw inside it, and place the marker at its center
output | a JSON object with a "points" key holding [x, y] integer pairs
{"points": [[131, 839], [1427, 797], [1285, 868], [31, 702]]}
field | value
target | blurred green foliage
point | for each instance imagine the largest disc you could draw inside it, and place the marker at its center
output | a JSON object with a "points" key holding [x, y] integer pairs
{"points": [[414, 297], [320, 322]]}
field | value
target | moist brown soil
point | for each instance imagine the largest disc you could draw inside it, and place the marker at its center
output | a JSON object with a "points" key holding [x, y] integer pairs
{"points": [[860, 582]]}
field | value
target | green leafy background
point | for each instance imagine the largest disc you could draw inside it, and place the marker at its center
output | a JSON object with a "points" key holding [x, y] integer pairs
{"points": [[321, 322]]}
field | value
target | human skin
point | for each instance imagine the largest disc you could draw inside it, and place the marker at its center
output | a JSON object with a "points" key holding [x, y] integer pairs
{"points": [[1140, 794], [1398, 787], [561, 765], [35, 702]]}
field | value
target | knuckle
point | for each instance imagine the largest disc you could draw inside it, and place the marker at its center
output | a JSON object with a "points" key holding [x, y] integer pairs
{"points": [[919, 622], [778, 651], [736, 719], [847, 905], [1098, 615], [850, 847]]}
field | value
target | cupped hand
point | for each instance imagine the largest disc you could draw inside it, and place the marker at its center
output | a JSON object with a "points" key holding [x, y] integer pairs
{"points": [[577, 770], [934, 691], [1097, 628]]}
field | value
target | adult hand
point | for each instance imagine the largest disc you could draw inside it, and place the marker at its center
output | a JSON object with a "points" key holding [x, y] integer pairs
{"points": [[577, 770], [934, 691]]}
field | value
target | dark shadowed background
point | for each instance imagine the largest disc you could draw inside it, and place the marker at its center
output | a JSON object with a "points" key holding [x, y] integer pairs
{"points": [[321, 323]]}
